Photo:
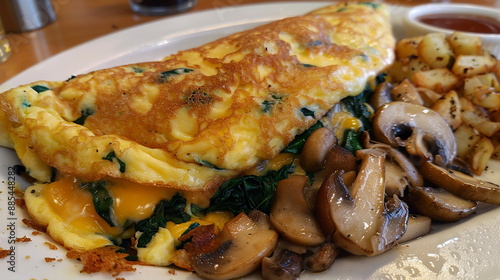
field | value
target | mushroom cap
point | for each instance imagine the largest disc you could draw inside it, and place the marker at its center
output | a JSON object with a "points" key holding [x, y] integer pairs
{"points": [[321, 258], [291, 215], [316, 147], [245, 240], [283, 265], [439, 204], [461, 184], [423, 132], [356, 216]]}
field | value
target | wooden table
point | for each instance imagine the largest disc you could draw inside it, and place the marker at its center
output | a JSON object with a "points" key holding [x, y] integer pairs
{"points": [[82, 20]]}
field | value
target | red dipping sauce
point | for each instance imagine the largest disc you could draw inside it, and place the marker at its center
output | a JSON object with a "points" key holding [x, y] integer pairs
{"points": [[463, 22]]}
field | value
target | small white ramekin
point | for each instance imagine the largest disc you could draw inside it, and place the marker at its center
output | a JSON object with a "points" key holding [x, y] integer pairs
{"points": [[413, 27]]}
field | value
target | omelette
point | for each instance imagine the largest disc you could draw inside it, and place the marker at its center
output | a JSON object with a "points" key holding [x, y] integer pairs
{"points": [[186, 123]]}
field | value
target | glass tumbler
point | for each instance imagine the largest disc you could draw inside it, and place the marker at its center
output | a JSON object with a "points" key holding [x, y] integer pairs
{"points": [[4, 45], [160, 7]]}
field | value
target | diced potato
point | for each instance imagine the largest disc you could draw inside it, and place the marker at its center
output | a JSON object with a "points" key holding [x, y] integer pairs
{"points": [[467, 105], [470, 65], [407, 47], [405, 68], [435, 51], [440, 80], [480, 154], [489, 80], [465, 44], [456, 77], [448, 107], [466, 138], [482, 90], [481, 123], [428, 96]]}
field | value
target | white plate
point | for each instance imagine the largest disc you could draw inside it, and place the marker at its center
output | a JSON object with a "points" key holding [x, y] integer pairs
{"points": [[463, 250]]}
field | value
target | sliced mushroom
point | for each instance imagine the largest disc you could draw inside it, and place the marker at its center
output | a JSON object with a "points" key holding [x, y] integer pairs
{"points": [[400, 172], [321, 258], [461, 165], [422, 132], [381, 95], [283, 265], [316, 148], [460, 184], [356, 216], [439, 204], [418, 225], [406, 92], [395, 179], [245, 240], [291, 215], [338, 158]]}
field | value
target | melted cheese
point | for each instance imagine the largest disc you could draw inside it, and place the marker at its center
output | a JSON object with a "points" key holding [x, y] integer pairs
{"points": [[78, 227], [74, 205], [69, 210], [342, 121], [218, 218], [133, 202]]}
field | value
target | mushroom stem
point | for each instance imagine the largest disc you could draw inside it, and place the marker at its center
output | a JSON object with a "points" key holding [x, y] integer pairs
{"points": [[417, 226], [356, 216]]}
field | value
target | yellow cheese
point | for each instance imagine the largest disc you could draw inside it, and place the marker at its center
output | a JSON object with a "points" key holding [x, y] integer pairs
{"points": [[133, 202], [218, 218], [74, 205]]}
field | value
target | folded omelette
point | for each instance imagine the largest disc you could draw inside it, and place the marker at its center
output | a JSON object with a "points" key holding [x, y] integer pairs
{"points": [[202, 115]]}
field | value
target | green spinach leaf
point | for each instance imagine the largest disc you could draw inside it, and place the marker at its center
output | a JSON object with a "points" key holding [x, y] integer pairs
{"points": [[358, 108], [173, 210], [307, 112], [370, 4], [85, 114], [164, 76], [39, 88], [352, 140], [102, 200], [246, 193], [111, 157]]}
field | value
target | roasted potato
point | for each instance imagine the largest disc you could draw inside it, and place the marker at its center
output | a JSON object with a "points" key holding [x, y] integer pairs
{"points": [[456, 77]]}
